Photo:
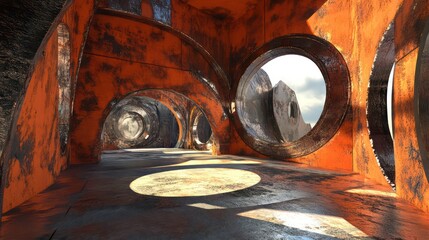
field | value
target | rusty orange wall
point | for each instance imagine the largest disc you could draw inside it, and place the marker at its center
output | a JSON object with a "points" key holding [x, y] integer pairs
{"points": [[125, 54], [372, 21], [32, 156], [272, 19], [210, 32], [412, 183], [355, 28]]}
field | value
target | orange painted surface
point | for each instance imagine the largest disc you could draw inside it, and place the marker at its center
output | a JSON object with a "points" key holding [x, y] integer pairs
{"points": [[274, 19], [32, 156], [103, 74], [412, 184], [208, 31], [359, 49], [127, 53], [223, 8]]}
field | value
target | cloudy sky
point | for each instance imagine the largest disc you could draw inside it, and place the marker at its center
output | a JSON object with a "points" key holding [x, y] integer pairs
{"points": [[304, 77]]}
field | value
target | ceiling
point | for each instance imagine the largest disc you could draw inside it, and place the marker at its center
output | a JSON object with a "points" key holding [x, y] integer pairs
{"points": [[223, 9]]}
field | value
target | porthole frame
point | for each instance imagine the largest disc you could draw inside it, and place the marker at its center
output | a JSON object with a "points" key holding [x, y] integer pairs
{"points": [[421, 95], [376, 106], [338, 91], [196, 143]]}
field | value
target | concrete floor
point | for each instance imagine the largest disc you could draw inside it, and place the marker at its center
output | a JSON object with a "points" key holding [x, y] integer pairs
{"points": [[193, 195]]}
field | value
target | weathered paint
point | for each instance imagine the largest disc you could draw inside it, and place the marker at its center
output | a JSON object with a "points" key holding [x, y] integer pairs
{"points": [[32, 156], [199, 56]]}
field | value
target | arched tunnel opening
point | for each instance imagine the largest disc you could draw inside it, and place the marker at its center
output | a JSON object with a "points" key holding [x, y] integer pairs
{"points": [[140, 121]]}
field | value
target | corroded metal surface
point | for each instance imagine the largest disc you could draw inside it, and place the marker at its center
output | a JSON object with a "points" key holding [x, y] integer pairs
{"points": [[203, 52], [421, 94], [23, 24], [378, 127], [32, 155], [223, 9]]}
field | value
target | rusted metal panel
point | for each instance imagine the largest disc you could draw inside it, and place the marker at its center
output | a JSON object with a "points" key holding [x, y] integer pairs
{"points": [[288, 17], [129, 40], [411, 181], [358, 49], [212, 34], [32, 157], [200, 56], [247, 34], [223, 9], [23, 25], [104, 90], [412, 15]]}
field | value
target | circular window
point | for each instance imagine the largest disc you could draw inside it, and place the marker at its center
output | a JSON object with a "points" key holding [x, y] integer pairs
{"points": [[201, 131], [421, 93], [278, 103], [131, 125], [140, 122], [134, 122]]}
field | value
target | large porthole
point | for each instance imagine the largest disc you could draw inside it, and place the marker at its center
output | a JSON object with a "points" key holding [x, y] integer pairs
{"points": [[277, 105], [421, 93]]}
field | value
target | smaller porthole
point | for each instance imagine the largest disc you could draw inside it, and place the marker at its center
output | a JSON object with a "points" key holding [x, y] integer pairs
{"points": [[131, 125], [281, 111], [140, 122], [202, 135]]}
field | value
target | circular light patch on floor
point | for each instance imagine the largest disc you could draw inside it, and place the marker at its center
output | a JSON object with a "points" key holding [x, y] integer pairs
{"points": [[194, 182]]}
